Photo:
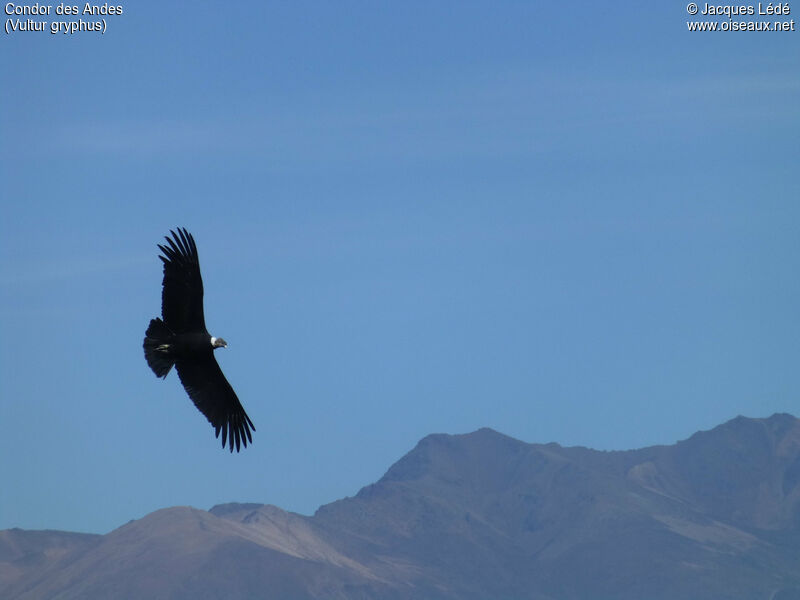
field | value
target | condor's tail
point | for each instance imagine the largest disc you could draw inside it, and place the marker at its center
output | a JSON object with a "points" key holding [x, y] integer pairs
{"points": [[158, 347]]}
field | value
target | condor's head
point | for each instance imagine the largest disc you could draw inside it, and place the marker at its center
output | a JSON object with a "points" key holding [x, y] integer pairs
{"points": [[218, 343]]}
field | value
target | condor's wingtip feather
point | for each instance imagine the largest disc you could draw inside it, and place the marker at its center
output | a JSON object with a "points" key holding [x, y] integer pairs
{"points": [[191, 242], [180, 240], [175, 249], [185, 236], [236, 432], [170, 254]]}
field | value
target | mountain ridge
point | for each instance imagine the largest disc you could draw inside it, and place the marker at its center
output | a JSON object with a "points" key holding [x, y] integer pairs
{"points": [[472, 515]]}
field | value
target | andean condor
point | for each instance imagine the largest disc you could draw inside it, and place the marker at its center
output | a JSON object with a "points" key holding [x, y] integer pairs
{"points": [[181, 339]]}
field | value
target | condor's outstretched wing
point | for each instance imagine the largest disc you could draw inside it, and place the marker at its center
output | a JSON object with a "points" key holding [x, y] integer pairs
{"points": [[215, 398], [182, 293]]}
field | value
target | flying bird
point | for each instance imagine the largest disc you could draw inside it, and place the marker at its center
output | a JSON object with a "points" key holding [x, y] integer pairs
{"points": [[180, 338]]}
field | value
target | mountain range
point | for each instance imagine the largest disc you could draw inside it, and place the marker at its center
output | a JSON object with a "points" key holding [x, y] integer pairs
{"points": [[473, 516]]}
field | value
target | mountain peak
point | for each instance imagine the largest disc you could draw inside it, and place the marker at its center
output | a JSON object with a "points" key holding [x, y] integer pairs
{"points": [[440, 452], [221, 510]]}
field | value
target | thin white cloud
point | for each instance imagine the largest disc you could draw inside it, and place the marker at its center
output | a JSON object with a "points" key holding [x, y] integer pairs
{"points": [[22, 272], [484, 115]]}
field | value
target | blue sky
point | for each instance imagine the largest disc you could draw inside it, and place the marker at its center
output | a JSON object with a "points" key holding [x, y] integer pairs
{"points": [[568, 223]]}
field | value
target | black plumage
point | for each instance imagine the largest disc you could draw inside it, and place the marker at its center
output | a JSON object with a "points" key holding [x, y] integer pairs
{"points": [[181, 339]]}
